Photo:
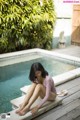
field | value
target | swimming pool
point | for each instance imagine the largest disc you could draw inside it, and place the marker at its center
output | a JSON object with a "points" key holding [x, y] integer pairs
{"points": [[15, 76]]}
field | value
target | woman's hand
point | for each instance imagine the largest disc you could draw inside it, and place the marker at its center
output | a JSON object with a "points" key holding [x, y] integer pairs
{"points": [[34, 110]]}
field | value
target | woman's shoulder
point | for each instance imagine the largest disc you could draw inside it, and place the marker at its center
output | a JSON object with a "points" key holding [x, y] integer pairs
{"points": [[48, 78]]}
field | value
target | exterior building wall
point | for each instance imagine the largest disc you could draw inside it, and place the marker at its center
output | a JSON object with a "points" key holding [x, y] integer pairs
{"points": [[75, 38], [63, 23]]}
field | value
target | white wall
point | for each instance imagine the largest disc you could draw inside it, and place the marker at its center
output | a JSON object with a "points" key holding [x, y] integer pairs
{"points": [[63, 23], [63, 9]]}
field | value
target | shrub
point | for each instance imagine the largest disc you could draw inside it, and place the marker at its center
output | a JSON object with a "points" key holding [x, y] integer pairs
{"points": [[26, 24]]}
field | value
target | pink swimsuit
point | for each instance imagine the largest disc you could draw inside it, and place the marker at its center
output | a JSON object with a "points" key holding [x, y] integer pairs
{"points": [[49, 84]]}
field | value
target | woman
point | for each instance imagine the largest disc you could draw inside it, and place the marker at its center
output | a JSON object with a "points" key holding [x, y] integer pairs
{"points": [[42, 86]]}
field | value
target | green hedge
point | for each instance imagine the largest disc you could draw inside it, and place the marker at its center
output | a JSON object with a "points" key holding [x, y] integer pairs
{"points": [[26, 24]]}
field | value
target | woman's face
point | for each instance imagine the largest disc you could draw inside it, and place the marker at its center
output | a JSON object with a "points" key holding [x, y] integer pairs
{"points": [[37, 74]]}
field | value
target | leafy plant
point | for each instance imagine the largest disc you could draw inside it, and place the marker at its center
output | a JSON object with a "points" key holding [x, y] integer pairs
{"points": [[26, 24]]}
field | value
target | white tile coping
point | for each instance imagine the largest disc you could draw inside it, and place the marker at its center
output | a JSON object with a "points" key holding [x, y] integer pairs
{"points": [[4, 57], [59, 55], [59, 79], [18, 59], [12, 54], [47, 106], [38, 50]]}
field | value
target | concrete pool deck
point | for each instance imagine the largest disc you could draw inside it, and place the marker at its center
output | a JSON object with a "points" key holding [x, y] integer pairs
{"points": [[71, 50]]}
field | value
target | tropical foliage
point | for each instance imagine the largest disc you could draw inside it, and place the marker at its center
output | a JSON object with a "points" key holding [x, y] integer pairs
{"points": [[26, 24]]}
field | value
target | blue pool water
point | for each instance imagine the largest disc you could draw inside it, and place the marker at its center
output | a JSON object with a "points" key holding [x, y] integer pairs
{"points": [[13, 77]]}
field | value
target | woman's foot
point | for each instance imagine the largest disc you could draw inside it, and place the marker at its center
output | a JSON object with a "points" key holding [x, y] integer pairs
{"points": [[23, 111], [21, 107], [17, 111]]}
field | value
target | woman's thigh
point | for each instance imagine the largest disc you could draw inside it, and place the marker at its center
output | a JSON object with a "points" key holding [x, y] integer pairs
{"points": [[43, 93], [52, 96]]}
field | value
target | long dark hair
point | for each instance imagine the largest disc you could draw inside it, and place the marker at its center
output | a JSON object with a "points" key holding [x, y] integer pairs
{"points": [[37, 67]]}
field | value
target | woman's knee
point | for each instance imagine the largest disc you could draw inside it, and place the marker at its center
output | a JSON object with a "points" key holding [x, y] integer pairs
{"points": [[34, 84], [32, 87], [39, 86]]}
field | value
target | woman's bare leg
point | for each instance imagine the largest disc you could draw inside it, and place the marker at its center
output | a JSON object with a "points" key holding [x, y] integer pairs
{"points": [[39, 91], [35, 95], [27, 97]]}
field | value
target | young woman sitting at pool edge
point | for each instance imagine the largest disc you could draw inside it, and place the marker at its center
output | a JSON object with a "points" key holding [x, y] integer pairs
{"points": [[42, 86]]}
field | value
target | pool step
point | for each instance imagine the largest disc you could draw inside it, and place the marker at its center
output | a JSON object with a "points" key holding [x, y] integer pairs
{"points": [[47, 106], [16, 102], [25, 89]]}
